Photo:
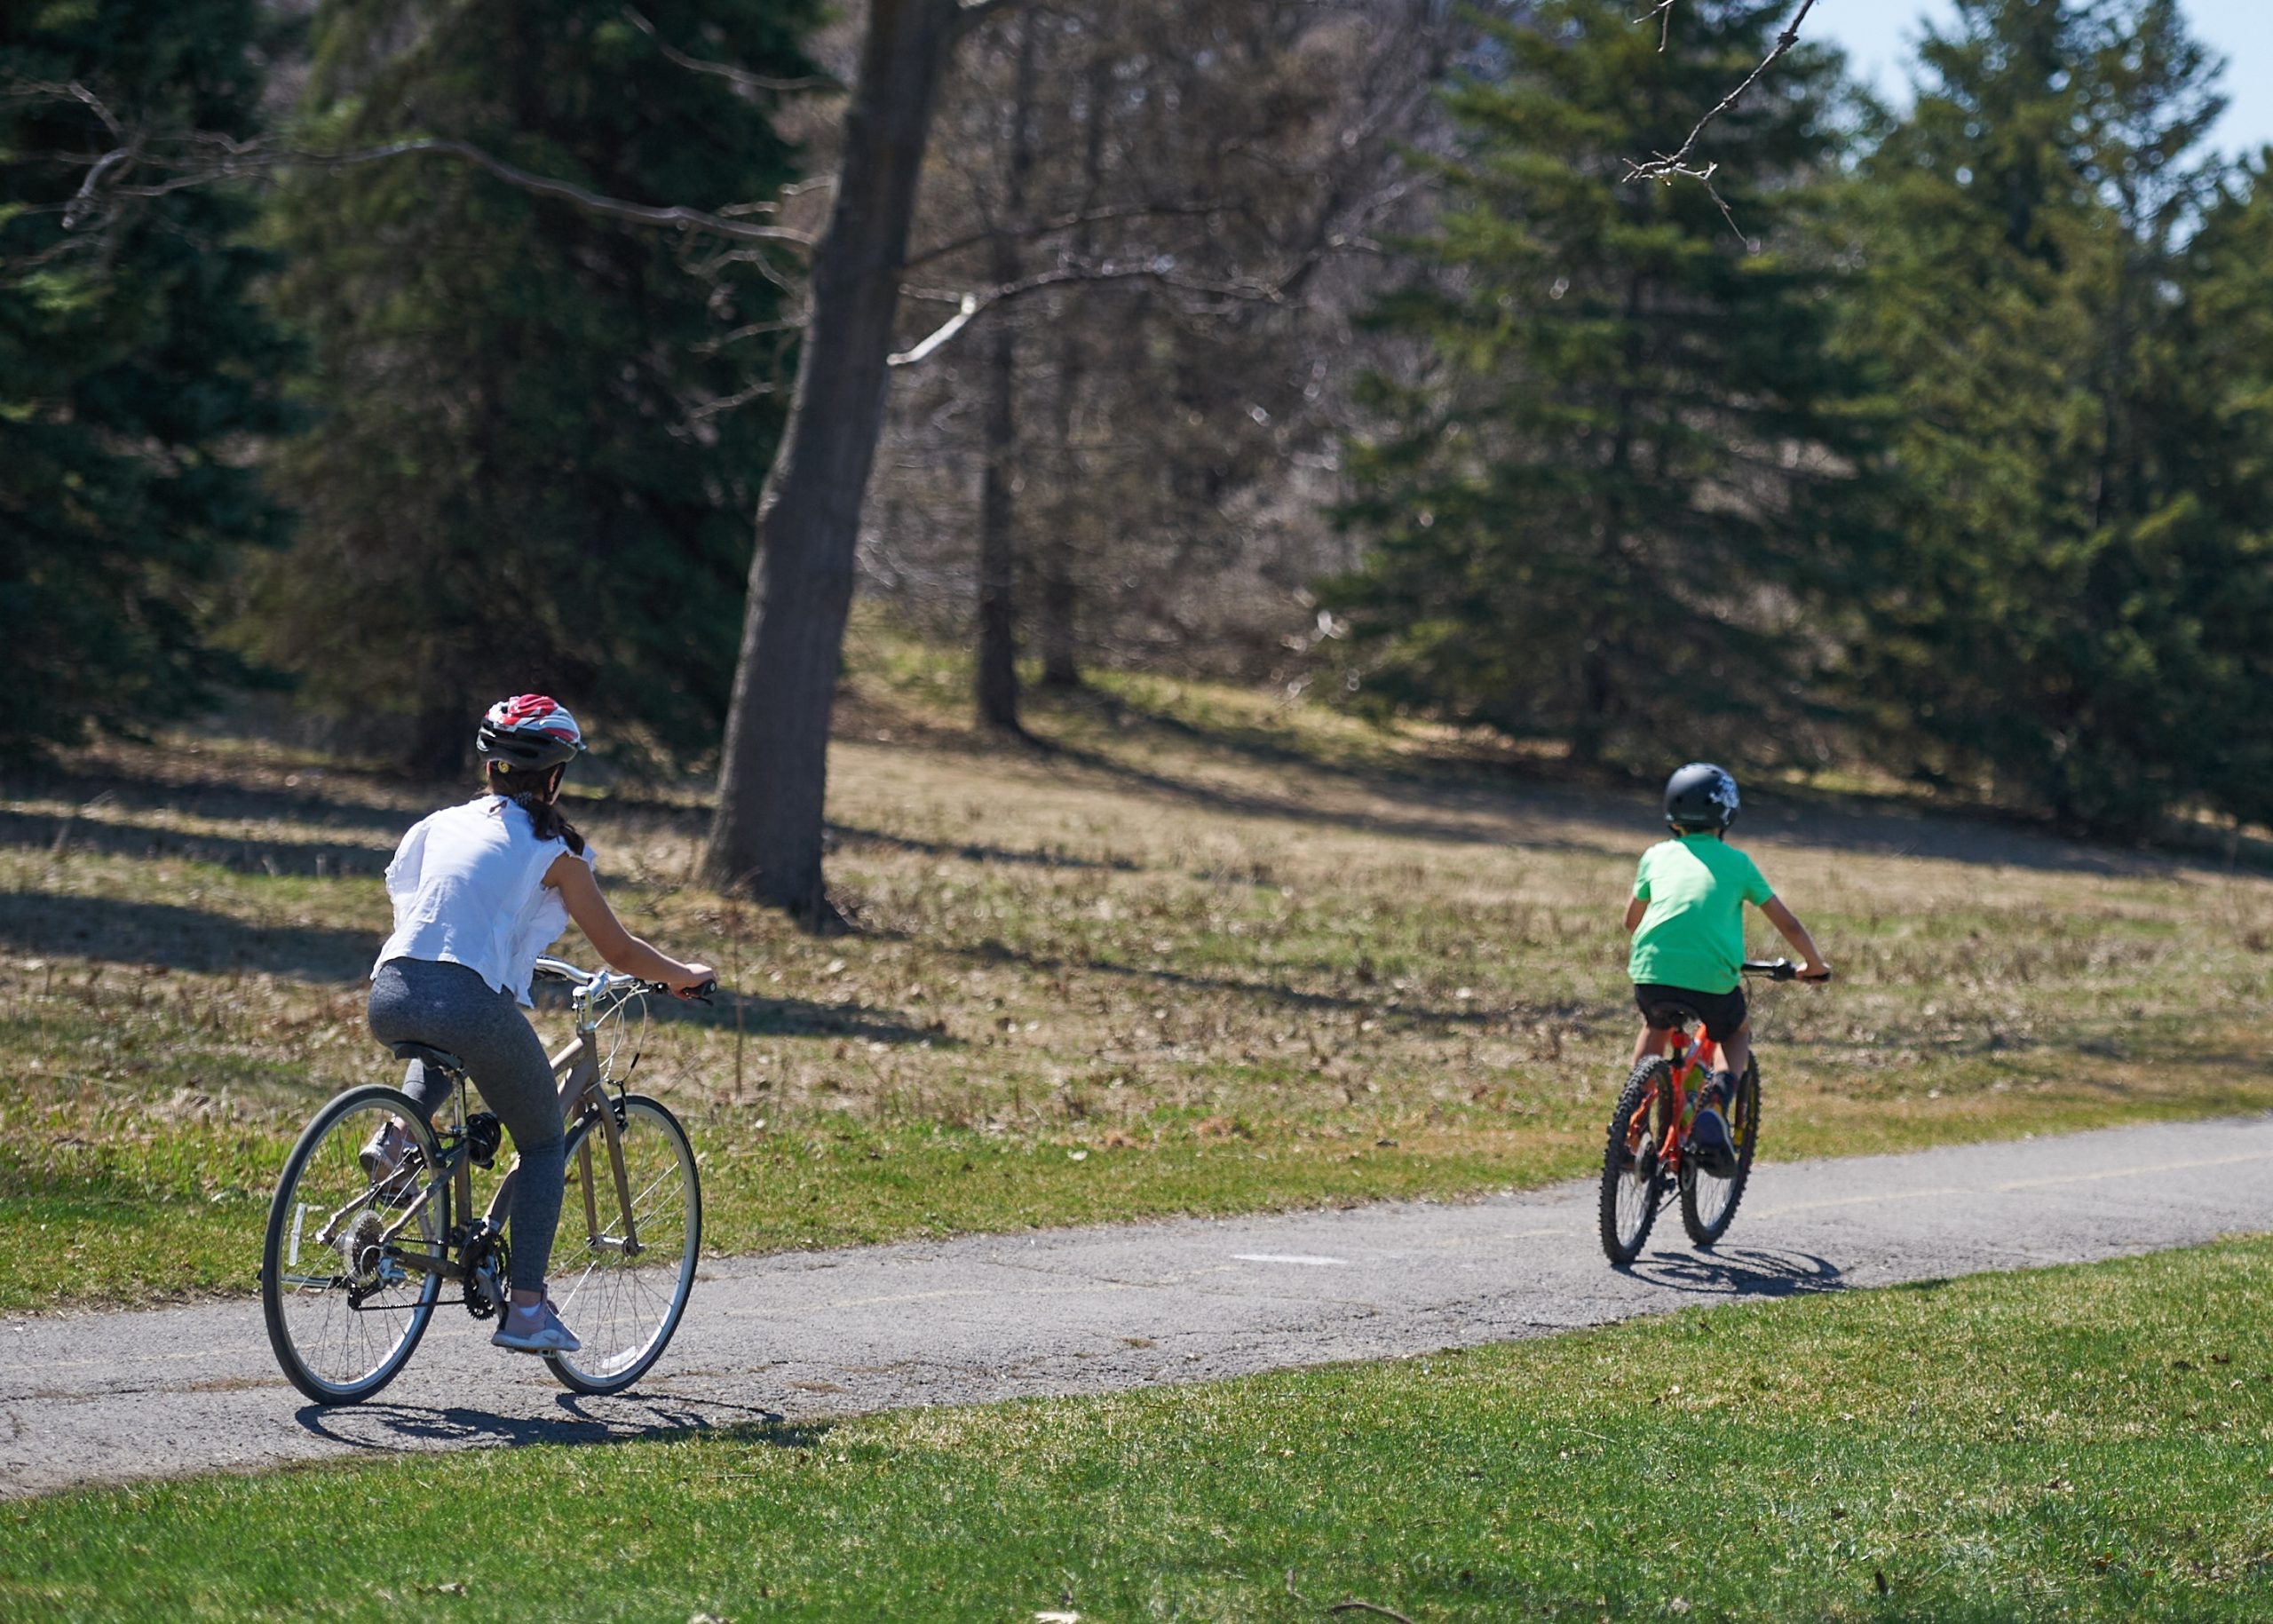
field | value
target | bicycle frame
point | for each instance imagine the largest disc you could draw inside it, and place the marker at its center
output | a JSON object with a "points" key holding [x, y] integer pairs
{"points": [[1685, 1056], [581, 1091]]}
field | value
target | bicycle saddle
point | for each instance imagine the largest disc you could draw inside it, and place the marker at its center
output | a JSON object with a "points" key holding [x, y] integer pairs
{"points": [[431, 1055]]}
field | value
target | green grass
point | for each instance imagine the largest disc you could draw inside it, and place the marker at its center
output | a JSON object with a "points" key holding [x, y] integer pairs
{"points": [[2088, 1443], [1210, 953]]}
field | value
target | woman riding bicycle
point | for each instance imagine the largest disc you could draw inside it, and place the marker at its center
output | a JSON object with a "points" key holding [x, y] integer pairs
{"points": [[479, 891]]}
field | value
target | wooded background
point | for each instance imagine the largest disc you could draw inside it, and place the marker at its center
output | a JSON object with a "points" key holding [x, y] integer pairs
{"points": [[397, 355]]}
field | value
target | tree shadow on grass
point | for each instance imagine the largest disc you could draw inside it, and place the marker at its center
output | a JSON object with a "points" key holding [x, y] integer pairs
{"points": [[334, 807], [851, 835], [1503, 801], [322, 860], [40, 923], [1499, 824], [383, 1428], [993, 952], [1740, 1272], [796, 1018]]}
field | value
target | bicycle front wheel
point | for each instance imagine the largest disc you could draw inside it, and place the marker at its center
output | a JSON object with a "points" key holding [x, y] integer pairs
{"points": [[1631, 1181], [340, 1287], [622, 1305], [1708, 1205]]}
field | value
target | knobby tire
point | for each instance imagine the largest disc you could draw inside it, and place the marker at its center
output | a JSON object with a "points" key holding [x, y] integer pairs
{"points": [[1700, 1190], [1626, 1230]]}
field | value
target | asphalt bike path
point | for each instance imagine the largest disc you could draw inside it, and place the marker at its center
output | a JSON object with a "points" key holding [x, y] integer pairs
{"points": [[108, 1397]]}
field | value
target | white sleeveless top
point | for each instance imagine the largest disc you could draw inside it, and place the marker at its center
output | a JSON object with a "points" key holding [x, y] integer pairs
{"points": [[468, 888]]}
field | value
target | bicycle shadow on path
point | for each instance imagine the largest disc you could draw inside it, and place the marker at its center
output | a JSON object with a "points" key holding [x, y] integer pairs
{"points": [[395, 1428], [1740, 1272]]}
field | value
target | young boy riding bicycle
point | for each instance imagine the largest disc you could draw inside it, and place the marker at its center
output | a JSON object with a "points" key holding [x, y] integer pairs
{"points": [[1687, 921]]}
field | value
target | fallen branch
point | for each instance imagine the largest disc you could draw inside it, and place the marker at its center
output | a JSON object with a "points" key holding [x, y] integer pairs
{"points": [[1355, 1605]]}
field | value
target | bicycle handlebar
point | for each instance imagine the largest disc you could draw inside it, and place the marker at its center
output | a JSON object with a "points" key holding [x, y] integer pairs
{"points": [[599, 982], [1779, 970]]}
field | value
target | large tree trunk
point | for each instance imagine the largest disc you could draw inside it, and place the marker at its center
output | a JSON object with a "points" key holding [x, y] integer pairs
{"points": [[998, 558], [765, 839]]}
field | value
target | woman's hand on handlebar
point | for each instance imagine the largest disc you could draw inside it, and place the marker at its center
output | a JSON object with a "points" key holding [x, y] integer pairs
{"points": [[691, 981]]}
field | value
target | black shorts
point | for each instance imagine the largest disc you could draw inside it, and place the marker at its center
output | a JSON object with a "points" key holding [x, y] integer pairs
{"points": [[1667, 1007]]}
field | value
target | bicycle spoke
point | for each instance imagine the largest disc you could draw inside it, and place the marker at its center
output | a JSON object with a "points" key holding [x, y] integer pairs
{"points": [[624, 1306]]}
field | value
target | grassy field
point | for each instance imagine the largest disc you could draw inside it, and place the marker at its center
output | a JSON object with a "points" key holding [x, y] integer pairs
{"points": [[1203, 951], [2079, 1443]]}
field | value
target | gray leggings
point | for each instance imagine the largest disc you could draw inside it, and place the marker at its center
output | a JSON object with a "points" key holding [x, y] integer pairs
{"points": [[447, 1006]]}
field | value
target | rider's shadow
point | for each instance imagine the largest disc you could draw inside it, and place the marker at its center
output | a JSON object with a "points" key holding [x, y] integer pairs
{"points": [[1752, 1271]]}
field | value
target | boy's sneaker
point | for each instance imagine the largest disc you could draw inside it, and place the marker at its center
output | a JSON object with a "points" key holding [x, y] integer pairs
{"points": [[1710, 1143], [534, 1329]]}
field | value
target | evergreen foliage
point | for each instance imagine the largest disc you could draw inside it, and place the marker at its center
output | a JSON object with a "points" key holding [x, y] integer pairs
{"points": [[134, 366], [1599, 509], [543, 433], [2075, 612]]}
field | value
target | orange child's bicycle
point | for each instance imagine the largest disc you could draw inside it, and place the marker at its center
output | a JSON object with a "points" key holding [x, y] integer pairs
{"points": [[1646, 1156]]}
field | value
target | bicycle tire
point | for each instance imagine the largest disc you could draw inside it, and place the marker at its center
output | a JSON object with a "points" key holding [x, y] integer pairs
{"points": [[626, 1316], [333, 1348], [1702, 1192], [1632, 1186]]}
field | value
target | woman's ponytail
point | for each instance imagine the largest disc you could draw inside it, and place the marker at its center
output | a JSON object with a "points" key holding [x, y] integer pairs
{"points": [[533, 792]]}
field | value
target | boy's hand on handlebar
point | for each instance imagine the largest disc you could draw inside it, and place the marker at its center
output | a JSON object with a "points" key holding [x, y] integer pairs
{"points": [[1814, 970]]}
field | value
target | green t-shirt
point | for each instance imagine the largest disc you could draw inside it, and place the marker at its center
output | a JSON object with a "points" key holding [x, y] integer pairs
{"points": [[1692, 935]]}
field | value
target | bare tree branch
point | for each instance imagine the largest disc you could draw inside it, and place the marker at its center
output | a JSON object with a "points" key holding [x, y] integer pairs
{"points": [[1071, 222], [966, 309], [970, 306], [1666, 166], [740, 77], [726, 403], [1663, 13], [205, 158]]}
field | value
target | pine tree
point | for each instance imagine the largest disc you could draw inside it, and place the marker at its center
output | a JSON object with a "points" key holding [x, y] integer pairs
{"points": [[1596, 509], [134, 368], [2049, 626], [543, 433]]}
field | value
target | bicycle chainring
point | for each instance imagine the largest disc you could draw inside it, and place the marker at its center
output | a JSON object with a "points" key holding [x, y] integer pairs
{"points": [[487, 1259]]}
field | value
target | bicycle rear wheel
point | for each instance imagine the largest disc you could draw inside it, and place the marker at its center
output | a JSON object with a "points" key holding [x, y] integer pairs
{"points": [[1708, 1205], [1631, 1182], [344, 1311], [624, 1309]]}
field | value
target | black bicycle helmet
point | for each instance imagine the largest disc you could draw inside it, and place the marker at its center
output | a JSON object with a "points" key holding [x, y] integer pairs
{"points": [[1700, 796], [529, 731]]}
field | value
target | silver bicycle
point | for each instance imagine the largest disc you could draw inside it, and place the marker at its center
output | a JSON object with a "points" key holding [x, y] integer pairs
{"points": [[354, 1266]]}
